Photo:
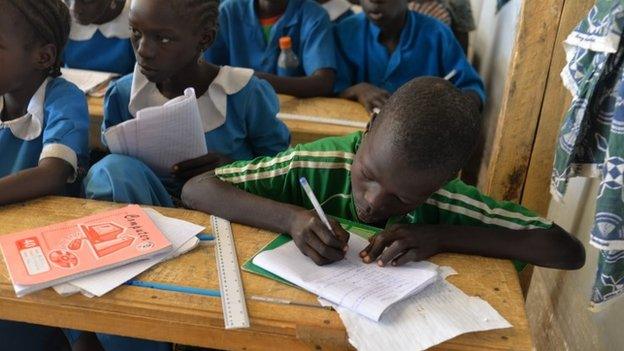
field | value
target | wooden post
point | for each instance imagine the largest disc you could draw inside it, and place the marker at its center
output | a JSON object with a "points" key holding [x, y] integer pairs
{"points": [[524, 92], [536, 195]]}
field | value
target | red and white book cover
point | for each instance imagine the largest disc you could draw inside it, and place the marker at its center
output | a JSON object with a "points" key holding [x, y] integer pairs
{"points": [[45, 256]]}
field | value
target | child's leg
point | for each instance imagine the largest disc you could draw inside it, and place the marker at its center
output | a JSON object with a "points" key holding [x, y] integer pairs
{"points": [[31, 337], [121, 343], [124, 179]]}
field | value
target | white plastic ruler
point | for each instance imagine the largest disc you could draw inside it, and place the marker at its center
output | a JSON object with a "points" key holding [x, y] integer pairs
{"points": [[232, 294]]}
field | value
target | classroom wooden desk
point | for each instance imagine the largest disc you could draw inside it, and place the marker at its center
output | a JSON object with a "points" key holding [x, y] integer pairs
{"points": [[197, 320], [302, 131]]}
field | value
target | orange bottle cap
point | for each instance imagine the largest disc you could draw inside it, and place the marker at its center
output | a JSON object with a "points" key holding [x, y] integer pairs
{"points": [[285, 43]]}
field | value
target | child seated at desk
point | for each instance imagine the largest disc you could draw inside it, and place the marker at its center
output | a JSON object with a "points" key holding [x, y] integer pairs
{"points": [[249, 35], [399, 175], [43, 125], [238, 110], [387, 45], [99, 39], [337, 10]]}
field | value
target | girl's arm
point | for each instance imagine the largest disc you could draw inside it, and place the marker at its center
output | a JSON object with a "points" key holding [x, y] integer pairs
{"points": [[48, 178], [320, 83]]}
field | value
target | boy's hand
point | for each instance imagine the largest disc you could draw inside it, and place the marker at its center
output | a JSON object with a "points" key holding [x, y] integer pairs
{"points": [[402, 243], [316, 241], [368, 95], [188, 169]]}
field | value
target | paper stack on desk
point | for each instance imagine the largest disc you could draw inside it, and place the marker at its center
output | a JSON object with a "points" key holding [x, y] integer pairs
{"points": [[161, 136], [90, 82], [94, 254], [385, 308]]}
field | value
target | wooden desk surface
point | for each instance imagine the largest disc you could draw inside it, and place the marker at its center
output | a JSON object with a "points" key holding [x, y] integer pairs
{"points": [[302, 131], [197, 320]]}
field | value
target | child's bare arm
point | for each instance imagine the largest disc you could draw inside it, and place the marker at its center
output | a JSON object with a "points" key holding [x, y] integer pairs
{"points": [[209, 194], [553, 247], [320, 83], [48, 178]]}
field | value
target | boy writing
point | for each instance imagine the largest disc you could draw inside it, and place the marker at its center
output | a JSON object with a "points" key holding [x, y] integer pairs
{"points": [[399, 175]]}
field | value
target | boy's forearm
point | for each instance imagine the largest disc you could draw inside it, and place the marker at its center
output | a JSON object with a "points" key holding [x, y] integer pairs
{"points": [[49, 178], [551, 247], [318, 84], [209, 194]]}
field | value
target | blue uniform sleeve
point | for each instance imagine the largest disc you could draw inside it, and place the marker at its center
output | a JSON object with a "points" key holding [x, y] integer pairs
{"points": [[218, 53], [116, 103], [266, 133], [318, 48], [453, 58], [67, 119], [346, 43]]}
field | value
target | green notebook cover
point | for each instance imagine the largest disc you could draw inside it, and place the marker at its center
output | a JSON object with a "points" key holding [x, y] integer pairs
{"points": [[362, 230]]}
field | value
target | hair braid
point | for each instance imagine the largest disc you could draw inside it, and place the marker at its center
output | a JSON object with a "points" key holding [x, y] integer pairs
{"points": [[206, 12], [51, 23]]}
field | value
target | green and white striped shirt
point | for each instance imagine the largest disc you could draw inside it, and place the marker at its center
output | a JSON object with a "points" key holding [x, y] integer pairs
{"points": [[326, 164]]}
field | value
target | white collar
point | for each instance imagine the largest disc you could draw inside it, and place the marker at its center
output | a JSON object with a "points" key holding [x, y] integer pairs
{"points": [[335, 8], [29, 126], [212, 105], [117, 28]]}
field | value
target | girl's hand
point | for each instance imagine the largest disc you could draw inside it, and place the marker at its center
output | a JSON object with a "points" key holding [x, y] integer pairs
{"points": [[316, 241], [186, 170], [402, 243]]}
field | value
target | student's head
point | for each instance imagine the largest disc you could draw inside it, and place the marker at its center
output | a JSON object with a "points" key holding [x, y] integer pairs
{"points": [[170, 35], [93, 11], [418, 142], [384, 13], [32, 36]]}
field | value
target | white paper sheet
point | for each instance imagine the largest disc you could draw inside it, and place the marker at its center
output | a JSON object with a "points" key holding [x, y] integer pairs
{"points": [[86, 80], [183, 238], [363, 288], [161, 136], [438, 313]]}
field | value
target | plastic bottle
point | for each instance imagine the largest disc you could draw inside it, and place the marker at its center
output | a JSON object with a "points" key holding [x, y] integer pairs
{"points": [[287, 62]]}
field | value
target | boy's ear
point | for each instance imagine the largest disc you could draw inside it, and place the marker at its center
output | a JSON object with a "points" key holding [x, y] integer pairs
{"points": [[45, 56], [207, 38], [370, 123]]}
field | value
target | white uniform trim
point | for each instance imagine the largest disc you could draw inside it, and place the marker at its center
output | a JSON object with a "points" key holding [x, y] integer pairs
{"points": [[63, 152], [117, 28], [29, 126], [212, 105]]}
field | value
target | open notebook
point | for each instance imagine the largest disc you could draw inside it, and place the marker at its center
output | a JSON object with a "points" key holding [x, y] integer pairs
{"points": [[161, 136], [90, 82], [363, 288]]}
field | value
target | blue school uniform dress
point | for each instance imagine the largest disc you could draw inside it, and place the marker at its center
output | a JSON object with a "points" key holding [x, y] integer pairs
{"points": [[426, 48], [56, 125], [241, 42], [338, 10], [239, 120], [101, 47]]}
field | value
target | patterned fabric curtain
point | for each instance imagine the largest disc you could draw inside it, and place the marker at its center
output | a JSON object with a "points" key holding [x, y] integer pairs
{"points": [[591, 140]]}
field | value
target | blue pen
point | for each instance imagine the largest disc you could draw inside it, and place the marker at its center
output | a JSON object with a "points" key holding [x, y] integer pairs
{"points": [[174, 288]]}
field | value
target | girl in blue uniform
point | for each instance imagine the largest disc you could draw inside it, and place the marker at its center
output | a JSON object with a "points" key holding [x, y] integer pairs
{"points": [[248, 37], [43, 125], [238, 113], [238, 110], [387, 45], [100, 37]]}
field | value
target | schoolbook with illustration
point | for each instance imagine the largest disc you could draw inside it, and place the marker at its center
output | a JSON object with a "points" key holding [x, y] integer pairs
{"points": [[42, 257]]}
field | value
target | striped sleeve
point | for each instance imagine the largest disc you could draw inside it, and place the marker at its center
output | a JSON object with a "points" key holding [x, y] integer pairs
{"points": [[277, 177], [460, 204]]}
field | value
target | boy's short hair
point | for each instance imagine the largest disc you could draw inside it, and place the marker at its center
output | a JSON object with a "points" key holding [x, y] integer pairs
{"points": [[432, 125]]}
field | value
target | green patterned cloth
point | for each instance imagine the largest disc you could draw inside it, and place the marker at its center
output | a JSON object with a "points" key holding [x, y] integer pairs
{"points": [[591, 140]]}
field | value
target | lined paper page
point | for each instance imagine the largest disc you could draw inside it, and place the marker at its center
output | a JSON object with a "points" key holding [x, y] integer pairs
{"points": [[363, 288], [86, 80]]}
